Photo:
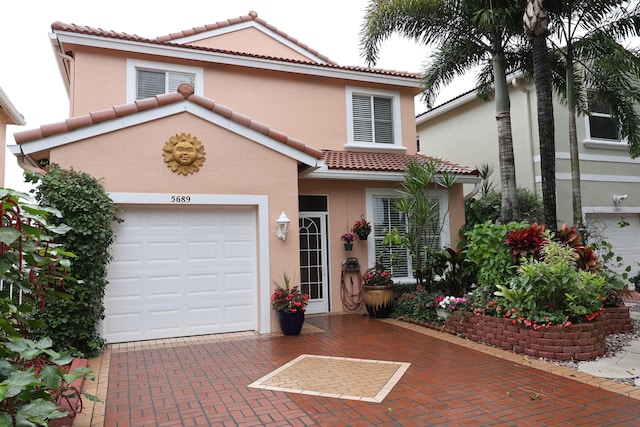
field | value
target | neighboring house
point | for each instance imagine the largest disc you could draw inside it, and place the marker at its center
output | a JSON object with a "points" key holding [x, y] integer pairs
{"points": [[464, 130], [204, 138], [9, 115]]}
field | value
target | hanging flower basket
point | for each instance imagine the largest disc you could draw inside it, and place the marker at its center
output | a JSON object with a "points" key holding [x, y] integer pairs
{"points": [[362, 228]]}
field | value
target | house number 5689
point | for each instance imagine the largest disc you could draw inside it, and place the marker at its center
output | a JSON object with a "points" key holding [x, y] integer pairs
{"points": [[180, 199]]}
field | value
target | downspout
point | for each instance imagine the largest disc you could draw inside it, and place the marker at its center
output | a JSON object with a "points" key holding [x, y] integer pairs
{"points": [[517, 82], [476, 190], [29, 166]]}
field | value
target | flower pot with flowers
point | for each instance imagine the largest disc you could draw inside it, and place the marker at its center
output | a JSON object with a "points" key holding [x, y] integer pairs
{"points": [[348, 239], [362, 228], [445, 305], [377, 292], [290, 304]]}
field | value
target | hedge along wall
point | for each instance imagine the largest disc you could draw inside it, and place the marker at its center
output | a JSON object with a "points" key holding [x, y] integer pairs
{"points": [[583, 341]]}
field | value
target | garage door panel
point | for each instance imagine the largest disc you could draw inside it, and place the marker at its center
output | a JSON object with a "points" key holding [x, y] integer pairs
{"points": [[182, 271], [624, 240]]}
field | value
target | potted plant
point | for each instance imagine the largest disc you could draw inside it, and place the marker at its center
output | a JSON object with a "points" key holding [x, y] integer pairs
{"points": [[362, 228], [445, 305], [348, 239], [290, 304], [377, 287]]}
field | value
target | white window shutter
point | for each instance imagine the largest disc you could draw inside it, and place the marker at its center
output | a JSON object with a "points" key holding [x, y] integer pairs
{"points": [[149, 83]]}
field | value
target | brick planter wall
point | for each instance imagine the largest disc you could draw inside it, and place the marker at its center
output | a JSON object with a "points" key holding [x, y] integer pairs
{"points": [[584, 341], [616, 320]]}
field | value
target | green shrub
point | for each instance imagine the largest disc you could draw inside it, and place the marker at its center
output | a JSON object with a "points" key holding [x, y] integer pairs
{"points": [[488, 251], [416, 303], [87, 208]]}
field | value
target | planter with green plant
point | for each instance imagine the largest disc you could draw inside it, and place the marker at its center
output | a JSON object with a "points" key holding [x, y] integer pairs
{"points": [[290, 304]]}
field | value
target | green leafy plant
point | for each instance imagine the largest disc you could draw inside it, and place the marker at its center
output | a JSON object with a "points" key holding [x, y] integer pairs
{"points": [[488, 251], [87, 208], [377, 276], [416, 304], [32, 383], [362, 227], [33, 268]]}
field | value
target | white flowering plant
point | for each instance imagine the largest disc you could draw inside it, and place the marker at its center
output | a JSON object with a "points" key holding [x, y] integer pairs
{"points": [[449, 303]]}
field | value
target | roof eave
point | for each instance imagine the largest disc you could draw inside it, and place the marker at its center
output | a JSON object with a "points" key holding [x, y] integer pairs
{"points": [[173, 51]]}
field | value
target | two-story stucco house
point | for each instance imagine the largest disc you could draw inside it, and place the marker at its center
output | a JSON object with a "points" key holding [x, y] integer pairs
{"points": [[464, 130], [205, 138], [9, 115]]}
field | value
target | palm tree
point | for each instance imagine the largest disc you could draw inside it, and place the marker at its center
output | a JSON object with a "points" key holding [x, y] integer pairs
{"points": [[465, 35], [588, 37], [536, 23]]}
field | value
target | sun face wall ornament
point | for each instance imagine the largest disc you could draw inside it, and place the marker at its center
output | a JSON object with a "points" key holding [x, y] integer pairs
{"points": [[184, 154]]}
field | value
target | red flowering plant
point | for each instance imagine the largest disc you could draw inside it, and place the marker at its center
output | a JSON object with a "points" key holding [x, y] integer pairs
{"points": [[527, 242], [362, 227], [377, 276], [287, 298]]}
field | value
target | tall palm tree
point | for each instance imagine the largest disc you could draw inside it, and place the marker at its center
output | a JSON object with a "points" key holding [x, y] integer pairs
{"points": [[587, 38], [536, 23], [465, 35]]}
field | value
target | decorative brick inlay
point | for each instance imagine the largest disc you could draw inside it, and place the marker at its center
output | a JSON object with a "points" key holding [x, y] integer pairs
{"points": [[584, 341], [616, 320]]}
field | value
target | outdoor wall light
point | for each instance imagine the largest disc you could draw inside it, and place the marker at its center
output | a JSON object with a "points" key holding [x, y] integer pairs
{"points": [[283, 224]]}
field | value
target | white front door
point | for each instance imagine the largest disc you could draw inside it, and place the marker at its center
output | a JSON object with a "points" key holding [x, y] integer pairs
{"points": [[182, 271], [313, 260]]}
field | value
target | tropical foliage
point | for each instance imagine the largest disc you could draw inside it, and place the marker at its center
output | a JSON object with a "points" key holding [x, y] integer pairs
{"points": [[86, 207]]}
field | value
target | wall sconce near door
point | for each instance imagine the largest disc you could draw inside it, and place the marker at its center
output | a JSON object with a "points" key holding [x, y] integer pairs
{"points": [[283, 224]]}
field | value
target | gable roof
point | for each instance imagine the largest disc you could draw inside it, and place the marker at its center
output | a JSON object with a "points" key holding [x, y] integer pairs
{"points": [[252, 18], [77, 128]]}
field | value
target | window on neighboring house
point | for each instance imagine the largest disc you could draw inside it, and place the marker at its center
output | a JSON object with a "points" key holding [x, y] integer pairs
{"points": [[386, 217], [373, 118], [152, 82], [600, 123], [148, 78]]}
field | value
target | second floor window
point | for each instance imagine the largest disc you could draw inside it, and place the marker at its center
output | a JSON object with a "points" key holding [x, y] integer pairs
{"points": [[373, 118], [152, 82], [601, 125], [146, 79]]}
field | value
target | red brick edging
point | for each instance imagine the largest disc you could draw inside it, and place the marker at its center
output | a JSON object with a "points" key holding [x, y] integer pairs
{"points": [[70, 405], [617, 320]]}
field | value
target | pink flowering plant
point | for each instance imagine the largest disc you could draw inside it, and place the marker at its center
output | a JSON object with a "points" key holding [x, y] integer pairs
{"points": [[348, 237], [449, 303], [287, 298]]}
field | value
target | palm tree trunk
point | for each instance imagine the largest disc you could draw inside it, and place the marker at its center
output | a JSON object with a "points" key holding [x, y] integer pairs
{"points": [[576, 192], [509, 210], [535, 24]]}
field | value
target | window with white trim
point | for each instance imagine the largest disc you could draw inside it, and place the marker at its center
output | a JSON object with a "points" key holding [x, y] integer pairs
{"points": [[385, 216], [373, 118], [147, 78], [600, 123]]}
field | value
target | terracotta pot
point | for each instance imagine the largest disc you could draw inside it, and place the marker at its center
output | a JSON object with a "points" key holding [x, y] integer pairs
{"points": [[291, 323], [378, 300]]}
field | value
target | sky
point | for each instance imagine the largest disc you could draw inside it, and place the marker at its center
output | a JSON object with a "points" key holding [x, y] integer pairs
{"points": [[30, 78]]}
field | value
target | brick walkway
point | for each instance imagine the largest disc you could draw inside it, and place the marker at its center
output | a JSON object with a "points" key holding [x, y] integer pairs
{"points": [[450, 382]]}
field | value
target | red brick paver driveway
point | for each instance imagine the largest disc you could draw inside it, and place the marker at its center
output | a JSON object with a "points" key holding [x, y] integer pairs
{"points": [[446, 385]]}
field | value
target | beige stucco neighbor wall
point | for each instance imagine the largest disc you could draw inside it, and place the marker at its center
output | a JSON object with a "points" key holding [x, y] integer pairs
{"points": [[131, 160]]}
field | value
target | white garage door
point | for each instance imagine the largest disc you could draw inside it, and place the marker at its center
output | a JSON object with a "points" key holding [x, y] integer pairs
{"points": [[625, 240], [182, 271]]}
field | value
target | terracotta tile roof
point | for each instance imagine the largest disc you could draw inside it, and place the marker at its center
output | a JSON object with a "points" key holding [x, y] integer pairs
{"points": [[382, 162], [166, 41], [185, 91], [252, 16]]}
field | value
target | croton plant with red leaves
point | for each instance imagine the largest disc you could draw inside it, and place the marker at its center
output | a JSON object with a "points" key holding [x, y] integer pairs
{"points": [[527, 242]]}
